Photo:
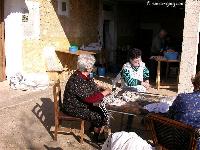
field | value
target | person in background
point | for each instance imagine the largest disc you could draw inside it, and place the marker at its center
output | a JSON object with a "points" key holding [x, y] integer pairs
{"points": [[186, 106], [80, 94], [158, 43], [134, 73], [169, 43], [157, 48]]}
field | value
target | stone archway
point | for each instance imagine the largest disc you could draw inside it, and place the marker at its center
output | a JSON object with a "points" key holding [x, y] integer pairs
{"points": [[189, 45]]}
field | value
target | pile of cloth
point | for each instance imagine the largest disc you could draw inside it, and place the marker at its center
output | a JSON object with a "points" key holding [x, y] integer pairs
{"points": [[126, 141], [32, 81], [162, 106], [157, 107], [122, 96]]}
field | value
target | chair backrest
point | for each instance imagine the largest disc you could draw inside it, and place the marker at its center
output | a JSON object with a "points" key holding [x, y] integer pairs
{"points": [[57, 96], [171, 134]]}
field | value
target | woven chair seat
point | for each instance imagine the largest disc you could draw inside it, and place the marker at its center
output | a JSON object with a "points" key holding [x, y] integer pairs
{"points": [[171, 134]]}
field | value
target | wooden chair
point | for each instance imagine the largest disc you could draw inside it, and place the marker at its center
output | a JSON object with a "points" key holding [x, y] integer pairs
{"points": [[60, 116], [171, 134]]}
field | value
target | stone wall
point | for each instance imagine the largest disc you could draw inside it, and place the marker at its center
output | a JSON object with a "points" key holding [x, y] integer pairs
{"points": [[80, 27], [189, 45]]}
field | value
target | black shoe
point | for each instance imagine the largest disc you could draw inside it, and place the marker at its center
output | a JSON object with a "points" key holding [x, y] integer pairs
{"points": [[95, 137], [98, 138], [91, 128], [101, 138]]}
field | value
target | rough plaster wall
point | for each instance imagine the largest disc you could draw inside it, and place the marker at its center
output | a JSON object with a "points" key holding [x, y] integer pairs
{"points": [[51, 33], [110, 44], [127, 22], [189, 46], [80, 27], [13, 36]]}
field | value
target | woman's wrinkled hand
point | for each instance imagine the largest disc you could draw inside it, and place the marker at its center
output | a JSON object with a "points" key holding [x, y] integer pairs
{"points": [[145, 84], [106, 92]]}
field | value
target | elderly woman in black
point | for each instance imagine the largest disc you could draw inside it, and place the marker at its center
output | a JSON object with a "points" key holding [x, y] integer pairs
{"points": [[81, 92]]}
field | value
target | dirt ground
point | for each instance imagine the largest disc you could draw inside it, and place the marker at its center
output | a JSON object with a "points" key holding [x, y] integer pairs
{"points": [[27, 121]]}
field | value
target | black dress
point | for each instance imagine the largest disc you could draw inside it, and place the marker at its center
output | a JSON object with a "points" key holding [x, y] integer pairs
{"points": [[79, 95]]}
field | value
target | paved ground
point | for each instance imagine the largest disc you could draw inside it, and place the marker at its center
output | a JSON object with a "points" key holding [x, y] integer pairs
{"points": [[27, 119]]}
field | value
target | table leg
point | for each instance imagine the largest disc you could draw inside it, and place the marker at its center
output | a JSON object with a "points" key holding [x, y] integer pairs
{"points": [[121, 125], [167, 70], [178, 74], [55, 75], [158, 76], [129, 122]]}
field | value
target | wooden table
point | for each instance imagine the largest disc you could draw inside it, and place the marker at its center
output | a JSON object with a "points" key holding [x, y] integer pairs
{"points": [[130, 108], [79, 52], [135, 108], [159, 60]]}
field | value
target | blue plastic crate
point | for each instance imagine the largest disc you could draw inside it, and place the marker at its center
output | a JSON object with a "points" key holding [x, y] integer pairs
{"points": [[171, 55]]}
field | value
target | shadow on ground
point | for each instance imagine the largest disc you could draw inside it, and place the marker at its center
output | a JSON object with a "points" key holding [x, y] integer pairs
{"points": [[45, 113]]}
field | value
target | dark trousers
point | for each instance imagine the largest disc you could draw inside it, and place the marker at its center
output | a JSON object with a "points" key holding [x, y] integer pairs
{"points": [[129, 122], [153, 69], [93, 114]]}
